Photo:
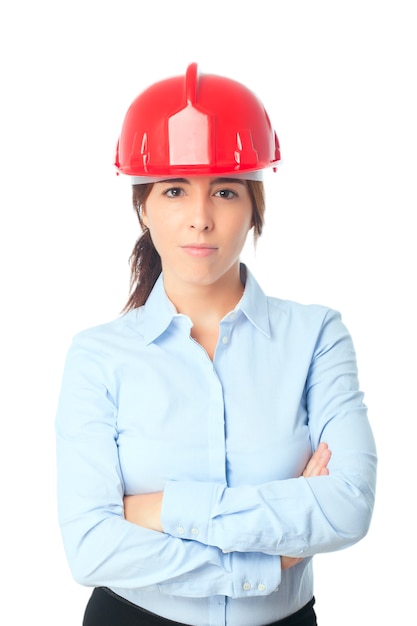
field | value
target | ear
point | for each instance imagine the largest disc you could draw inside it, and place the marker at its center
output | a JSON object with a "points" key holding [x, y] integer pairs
{"points": [[142, 214]]}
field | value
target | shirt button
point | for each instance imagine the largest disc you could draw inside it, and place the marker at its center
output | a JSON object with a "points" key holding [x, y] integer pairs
{"points": [[246, 586], [225, 339], [261, 587], [194, 531], [180, 530]]}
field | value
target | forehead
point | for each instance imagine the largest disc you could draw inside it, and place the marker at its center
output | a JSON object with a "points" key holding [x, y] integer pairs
{"points": [[203, 180], [256, 175]]}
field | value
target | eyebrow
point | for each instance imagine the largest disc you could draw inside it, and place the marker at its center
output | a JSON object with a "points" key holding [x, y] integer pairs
{"points": [[220, 179]]}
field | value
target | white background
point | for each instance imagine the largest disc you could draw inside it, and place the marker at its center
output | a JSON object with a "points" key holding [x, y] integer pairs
{"points": [[338, 79]]}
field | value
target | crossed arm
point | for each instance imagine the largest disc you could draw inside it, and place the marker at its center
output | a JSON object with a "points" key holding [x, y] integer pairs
{"points": [[145, 509]]}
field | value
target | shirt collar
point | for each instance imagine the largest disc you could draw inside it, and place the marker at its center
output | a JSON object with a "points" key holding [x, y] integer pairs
{"points": [[254, 304], [158, 312]]}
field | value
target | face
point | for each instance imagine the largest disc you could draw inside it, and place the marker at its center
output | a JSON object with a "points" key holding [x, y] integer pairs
{"points": [[199, 226]]}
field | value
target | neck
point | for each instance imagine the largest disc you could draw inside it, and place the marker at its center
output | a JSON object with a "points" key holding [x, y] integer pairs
{"points": [[207, 304]]}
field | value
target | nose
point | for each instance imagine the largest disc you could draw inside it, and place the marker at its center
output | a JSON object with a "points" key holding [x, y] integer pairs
{"points": [[201, 216]]}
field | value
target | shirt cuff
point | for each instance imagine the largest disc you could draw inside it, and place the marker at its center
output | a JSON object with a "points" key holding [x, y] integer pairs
{"points": [[255, 574], [186, 508], [186, 514]]}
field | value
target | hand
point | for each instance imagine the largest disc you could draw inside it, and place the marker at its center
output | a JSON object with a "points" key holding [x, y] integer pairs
{"points": [[144, 510], [317, 465], [289, 561]]}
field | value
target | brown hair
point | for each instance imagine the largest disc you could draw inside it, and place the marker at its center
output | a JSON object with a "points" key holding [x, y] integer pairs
{"points": [[145, 262]]}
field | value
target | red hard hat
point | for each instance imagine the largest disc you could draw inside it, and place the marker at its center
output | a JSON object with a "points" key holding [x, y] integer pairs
{"points": [[197, 124]]}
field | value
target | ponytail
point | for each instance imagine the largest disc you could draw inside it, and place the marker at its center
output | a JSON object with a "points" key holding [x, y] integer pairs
{"points": [[145, 262]]}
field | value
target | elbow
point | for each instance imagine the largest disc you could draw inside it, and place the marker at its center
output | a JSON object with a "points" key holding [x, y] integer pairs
{"points": [[351, 518], [82, 578], [346, 504], [360, 518], [92, 548], [355, 527], [83, 571], [88, 566]]}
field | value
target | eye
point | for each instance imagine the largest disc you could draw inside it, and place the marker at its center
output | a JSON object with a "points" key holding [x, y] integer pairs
{"points": [[226, 194], [173, 192]]}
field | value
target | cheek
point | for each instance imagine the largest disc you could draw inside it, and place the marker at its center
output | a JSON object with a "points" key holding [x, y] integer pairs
{"points": [[156, 238], [243, 229], [237, 239], [162, 234]]}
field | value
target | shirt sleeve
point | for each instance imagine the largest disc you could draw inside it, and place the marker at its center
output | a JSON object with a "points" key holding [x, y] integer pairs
{"points": [[103, 548], [298, 516]]}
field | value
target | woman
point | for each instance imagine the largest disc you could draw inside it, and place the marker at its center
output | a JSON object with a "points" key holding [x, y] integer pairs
{"points": [[212, 439]]}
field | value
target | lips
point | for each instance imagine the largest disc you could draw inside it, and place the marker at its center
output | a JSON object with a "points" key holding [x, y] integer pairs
{"points": [[199, 249]]}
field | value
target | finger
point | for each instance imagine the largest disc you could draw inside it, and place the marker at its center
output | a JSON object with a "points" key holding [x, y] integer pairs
{"points": [[289, 561], [315, 463], [318, 462]]}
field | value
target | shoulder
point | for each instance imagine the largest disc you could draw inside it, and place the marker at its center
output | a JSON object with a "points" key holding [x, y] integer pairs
{"points": [[315, 327], [293, 310], [285, 316], [312, 324], [110, 336]]}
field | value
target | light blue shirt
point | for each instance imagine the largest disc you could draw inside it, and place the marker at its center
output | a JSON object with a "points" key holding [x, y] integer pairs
{"points": [[144, 409]]}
